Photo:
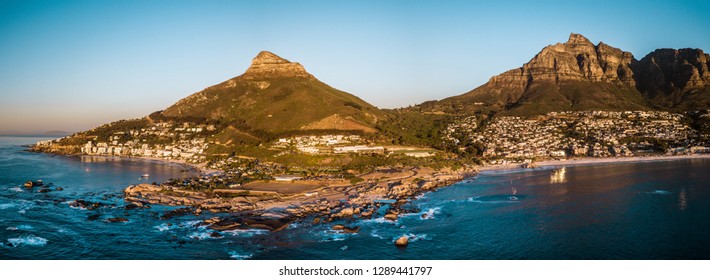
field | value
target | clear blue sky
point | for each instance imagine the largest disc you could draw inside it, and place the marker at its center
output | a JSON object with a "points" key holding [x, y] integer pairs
{"points": [[72, 65]]}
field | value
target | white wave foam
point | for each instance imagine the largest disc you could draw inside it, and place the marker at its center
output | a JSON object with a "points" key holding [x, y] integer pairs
{"points": [[72, 206], [246, 232], [190, 223], [27, 240], [412, 237], [379, 220], [663, 192], [376, 235], [199, 235], [20, 227], [16, 189], [333, 235], [239, 256], [7, 206], [162, 227], [429, 213]]}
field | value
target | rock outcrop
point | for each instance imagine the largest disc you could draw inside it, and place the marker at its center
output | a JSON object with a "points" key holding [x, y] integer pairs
{"points": [[578, 75], [269, 65], [671, 78], [576, 60], [403, 241]]}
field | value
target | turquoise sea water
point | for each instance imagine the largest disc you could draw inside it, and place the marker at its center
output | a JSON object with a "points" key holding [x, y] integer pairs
{"points": [[652, 210]]}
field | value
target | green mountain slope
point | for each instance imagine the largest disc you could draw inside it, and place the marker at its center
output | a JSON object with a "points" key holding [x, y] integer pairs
{"points": [[275, 96]]}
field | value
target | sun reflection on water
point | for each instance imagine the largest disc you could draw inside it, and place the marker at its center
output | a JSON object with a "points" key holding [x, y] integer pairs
{"points": [[559, 176]]}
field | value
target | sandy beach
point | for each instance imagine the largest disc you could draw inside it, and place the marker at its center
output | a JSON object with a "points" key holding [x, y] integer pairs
{"points": [[593, 161]]}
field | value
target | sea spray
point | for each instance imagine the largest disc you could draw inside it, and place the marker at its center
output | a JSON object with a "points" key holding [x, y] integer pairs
{"points": [[27, 240]]}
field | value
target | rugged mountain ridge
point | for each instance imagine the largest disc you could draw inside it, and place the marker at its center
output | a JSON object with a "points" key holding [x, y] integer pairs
{"points": [[676, 79], [578, 75], [275, 95]]}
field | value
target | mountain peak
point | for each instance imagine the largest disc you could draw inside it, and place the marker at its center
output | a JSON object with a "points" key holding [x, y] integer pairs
{"points": [[578, 39], [269, 65], [267, 57]]}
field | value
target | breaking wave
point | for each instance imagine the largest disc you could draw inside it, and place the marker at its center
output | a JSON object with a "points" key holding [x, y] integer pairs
{"points": [[20, 227], [239, 256], [27, 240]]}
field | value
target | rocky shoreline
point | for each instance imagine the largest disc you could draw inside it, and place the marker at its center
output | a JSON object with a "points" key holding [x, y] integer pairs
{"points": [[270, 211]]}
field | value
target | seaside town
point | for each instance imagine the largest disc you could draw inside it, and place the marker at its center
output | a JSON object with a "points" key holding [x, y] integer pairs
{"points": [[560, 135], [161, 140]]}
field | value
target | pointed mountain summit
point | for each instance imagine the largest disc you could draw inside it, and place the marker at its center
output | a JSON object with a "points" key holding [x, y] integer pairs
{"points": [[276, 96], [268, 65]]}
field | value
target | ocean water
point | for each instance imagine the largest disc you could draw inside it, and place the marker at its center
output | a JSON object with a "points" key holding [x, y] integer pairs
{"points": [[650, 210]]}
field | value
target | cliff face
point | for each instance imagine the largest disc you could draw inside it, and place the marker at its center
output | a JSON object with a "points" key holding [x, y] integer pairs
{"points": [[268, 65], [575, 75], [578, 75], [671, 78], [576, 60]]}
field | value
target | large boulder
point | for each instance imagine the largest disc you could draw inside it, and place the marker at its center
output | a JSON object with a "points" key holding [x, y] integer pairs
{"points": [[402, 241], [117, 220], [391, 216], [140, 189], [345, 213], [345, 229]]}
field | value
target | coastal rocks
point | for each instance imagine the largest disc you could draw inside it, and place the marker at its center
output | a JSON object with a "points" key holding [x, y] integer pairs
{"points": [[88, 205], [140, 189], [177, 212], [345, 229], [117, 220], [270, 223], [228, 224], [401, 190], [402, 241], [427, 185], [341, 203], [345, 213], [133, 205], [391, 216], [29, 184], [140, 204], [93, 217], [212, 220]]}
